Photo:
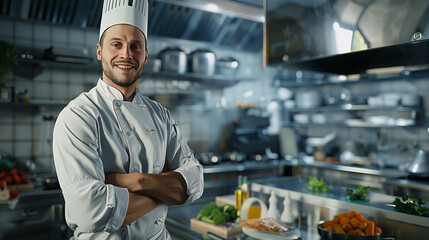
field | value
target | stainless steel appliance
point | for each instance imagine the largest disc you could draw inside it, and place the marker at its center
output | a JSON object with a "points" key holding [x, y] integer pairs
{"points": [[202, 61], [346, 36], [173, 60], [420, 165]]}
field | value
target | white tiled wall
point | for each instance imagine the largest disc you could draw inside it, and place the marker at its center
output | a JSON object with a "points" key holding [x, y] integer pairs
{"points": [[23, 127]]}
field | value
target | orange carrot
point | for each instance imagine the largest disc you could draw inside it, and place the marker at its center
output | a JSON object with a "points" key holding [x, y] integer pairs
{"points": [[369, 230], [354, 222]]}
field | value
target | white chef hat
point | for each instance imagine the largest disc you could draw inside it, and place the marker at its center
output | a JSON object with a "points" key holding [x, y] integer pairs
{"points": [[131, 12]]}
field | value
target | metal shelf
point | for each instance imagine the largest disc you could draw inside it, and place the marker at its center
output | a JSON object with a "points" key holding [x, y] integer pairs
{"points": [[362, 125], [34, 67], [293, 82], [352, 107], [34, 103]]}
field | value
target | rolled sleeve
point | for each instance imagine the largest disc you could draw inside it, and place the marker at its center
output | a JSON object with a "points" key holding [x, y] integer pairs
{"points": [[193, 175], [117, 200]]}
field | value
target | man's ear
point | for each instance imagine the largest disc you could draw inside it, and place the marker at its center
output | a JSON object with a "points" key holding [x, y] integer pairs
{"points": [[145, 58], [98, 51]]}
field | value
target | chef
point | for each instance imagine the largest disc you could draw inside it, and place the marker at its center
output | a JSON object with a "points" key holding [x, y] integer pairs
{"points": [[119, 156]]}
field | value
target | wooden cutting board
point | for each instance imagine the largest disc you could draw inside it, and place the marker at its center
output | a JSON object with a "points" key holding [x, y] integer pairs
{"points": [[24, 186], [222, 231]]}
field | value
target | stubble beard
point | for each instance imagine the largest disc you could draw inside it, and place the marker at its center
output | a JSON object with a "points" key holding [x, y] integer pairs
{"points": [[108, 71]]}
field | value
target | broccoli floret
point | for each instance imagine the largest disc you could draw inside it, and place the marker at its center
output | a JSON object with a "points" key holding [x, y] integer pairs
{"points": [[230, 212], [215, 214], [215, 217], [206, 210]]}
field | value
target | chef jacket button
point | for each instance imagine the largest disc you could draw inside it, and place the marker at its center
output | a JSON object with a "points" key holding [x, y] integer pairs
{"points": [[128, 133], [159, 221], [134, 170], [156, 166], [118, 103], [110, 205]]}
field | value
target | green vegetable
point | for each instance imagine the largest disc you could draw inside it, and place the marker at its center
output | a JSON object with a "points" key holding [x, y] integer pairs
{"points": [[215, 214], [230, 213], [318, 186], [413, 206], [360, 193]]}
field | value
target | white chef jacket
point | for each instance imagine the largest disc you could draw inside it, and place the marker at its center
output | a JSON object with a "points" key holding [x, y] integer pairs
{"points": [[98, 133]]}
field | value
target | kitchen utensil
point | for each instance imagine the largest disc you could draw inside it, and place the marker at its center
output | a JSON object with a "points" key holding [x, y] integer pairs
{"points": [[410, 100], [290, 235], [203, 62], [320, 142], [308, 99], [318, 118], [288, 104], [420, 165], [301, 118], [288, 142], [31, 166], [173, 60], [329, 235], [391, 99], [227, 66], [250, 202]]}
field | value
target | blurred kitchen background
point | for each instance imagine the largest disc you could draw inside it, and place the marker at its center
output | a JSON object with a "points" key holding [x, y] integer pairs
{"points": [[237, 100], [227, 102]]}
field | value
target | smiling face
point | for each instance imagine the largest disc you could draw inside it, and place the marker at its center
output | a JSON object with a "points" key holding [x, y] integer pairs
{"points": [[123, 55]]}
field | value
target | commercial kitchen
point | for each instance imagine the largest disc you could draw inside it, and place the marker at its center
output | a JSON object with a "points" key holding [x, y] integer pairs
{"points": [[280, 93]]}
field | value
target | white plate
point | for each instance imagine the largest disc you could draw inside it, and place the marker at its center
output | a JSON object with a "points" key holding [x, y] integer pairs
{"points": [[272, 236]]}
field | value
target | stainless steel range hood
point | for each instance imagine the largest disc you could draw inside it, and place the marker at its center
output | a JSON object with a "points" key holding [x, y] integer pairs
{"points": [[347, 36], [233, 24]]}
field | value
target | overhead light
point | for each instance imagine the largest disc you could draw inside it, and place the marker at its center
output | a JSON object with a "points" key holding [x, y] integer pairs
{"points": [[227, 7], [211, 7], [343, 38]]}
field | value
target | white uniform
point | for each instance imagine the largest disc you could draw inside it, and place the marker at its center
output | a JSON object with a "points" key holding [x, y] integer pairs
{"points": [[98, 133]]}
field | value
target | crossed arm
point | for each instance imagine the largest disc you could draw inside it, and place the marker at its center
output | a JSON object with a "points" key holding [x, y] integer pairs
{"points": [[148, 190]]}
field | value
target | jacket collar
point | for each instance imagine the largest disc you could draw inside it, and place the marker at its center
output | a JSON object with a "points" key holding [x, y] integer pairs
{"points": [[111, 93]]}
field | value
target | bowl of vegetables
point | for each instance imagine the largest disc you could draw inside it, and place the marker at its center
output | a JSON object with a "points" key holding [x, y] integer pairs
{"points": [[349, 226]]}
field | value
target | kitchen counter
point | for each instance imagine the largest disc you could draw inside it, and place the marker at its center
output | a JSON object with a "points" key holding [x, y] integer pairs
{"points": [[390, 181], [382, 172], [314, 207], [38, 214], [178, 224]]}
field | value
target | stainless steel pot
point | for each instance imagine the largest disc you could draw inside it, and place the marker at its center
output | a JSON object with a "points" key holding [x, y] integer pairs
{"points": [[173, 60], [227, 66], [203, 62], [308, 99]]}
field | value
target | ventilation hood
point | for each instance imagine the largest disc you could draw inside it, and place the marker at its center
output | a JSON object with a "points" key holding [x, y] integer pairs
{"points": [[347, 36], [235, 24]]}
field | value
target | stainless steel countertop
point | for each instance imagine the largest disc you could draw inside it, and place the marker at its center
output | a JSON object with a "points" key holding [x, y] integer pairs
{"points": [[246, 165], [388, 176], [378, 205], [383, 172]]}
